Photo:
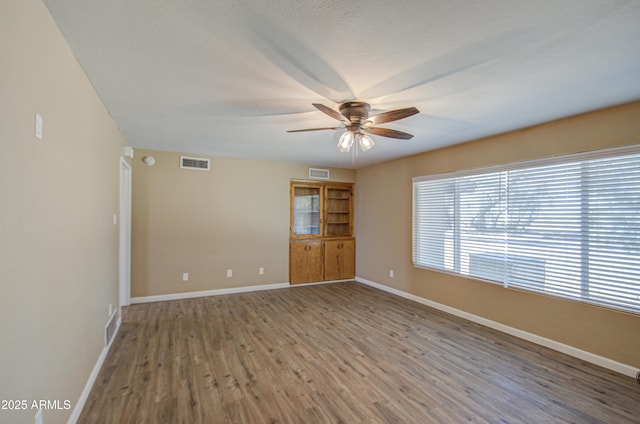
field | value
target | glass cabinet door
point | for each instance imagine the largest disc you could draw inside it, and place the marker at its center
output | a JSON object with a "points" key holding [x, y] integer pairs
{"points": [[306, 210]]}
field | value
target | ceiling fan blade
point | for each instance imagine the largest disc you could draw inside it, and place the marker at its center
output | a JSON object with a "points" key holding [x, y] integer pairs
{"points": [[332, 113], [392, 115], [386, 132], [317, 129]]}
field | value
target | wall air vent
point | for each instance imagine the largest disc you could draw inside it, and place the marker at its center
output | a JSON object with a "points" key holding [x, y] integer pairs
{"points": [[199, 164], [110, 329], [319, 174]]}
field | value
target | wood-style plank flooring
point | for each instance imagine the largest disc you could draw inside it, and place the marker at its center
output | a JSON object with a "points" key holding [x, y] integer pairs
{"points": [[339, 353]]}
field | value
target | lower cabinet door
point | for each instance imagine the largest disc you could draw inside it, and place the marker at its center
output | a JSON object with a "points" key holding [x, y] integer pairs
{"points": [[305, 261], [339, 259]]}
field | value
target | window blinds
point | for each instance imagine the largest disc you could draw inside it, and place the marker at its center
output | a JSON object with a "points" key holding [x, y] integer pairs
{"points": [[563, 226]]}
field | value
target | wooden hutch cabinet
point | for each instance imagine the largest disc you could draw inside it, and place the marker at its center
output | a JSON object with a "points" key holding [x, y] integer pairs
{"points": [[321, 244]]}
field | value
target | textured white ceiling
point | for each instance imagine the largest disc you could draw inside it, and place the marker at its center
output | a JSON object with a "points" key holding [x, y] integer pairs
{"points": [[229, 77]]}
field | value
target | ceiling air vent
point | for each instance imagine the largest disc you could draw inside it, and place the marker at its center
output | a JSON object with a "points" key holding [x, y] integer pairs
{"points": [[319, 174], [199, 164]]}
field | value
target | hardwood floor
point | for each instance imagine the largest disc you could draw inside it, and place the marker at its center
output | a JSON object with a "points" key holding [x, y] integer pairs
{"points": [[339, 353]]}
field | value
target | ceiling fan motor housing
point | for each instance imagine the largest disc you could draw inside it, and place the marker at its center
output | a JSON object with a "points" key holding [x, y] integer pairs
{"points": [[356, 112]]}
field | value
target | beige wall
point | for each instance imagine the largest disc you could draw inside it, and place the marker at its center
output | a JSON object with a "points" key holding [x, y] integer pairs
{"points": [[384, 234], [235, 216], [58, 244]]}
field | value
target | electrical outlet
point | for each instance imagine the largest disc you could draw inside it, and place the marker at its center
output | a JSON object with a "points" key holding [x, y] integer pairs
{"points": [[391, 273], [261, 271], [185, 276], [229, 273]]}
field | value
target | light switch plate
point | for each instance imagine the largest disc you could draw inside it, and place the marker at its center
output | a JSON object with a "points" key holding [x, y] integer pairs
{"points": [[39, 124]]}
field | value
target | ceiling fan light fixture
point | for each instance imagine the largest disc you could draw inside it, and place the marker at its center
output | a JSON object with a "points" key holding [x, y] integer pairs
{"points": [[366, 142], [354, 117], [346, 141]]}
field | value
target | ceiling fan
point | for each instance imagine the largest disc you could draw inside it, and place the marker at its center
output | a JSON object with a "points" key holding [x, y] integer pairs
{"points": [[355, 119]]}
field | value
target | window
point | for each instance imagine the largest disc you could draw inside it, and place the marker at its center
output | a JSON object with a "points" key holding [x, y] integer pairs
{"points": [[565, 226]]}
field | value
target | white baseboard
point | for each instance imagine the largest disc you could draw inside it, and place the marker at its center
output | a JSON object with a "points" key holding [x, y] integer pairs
{"points": [[320, 282], [77, 410], [542, 341], [217, 292], [204, 293]]}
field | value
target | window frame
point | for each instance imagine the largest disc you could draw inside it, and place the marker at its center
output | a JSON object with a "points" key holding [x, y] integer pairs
{"points": [[514, 166]]}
